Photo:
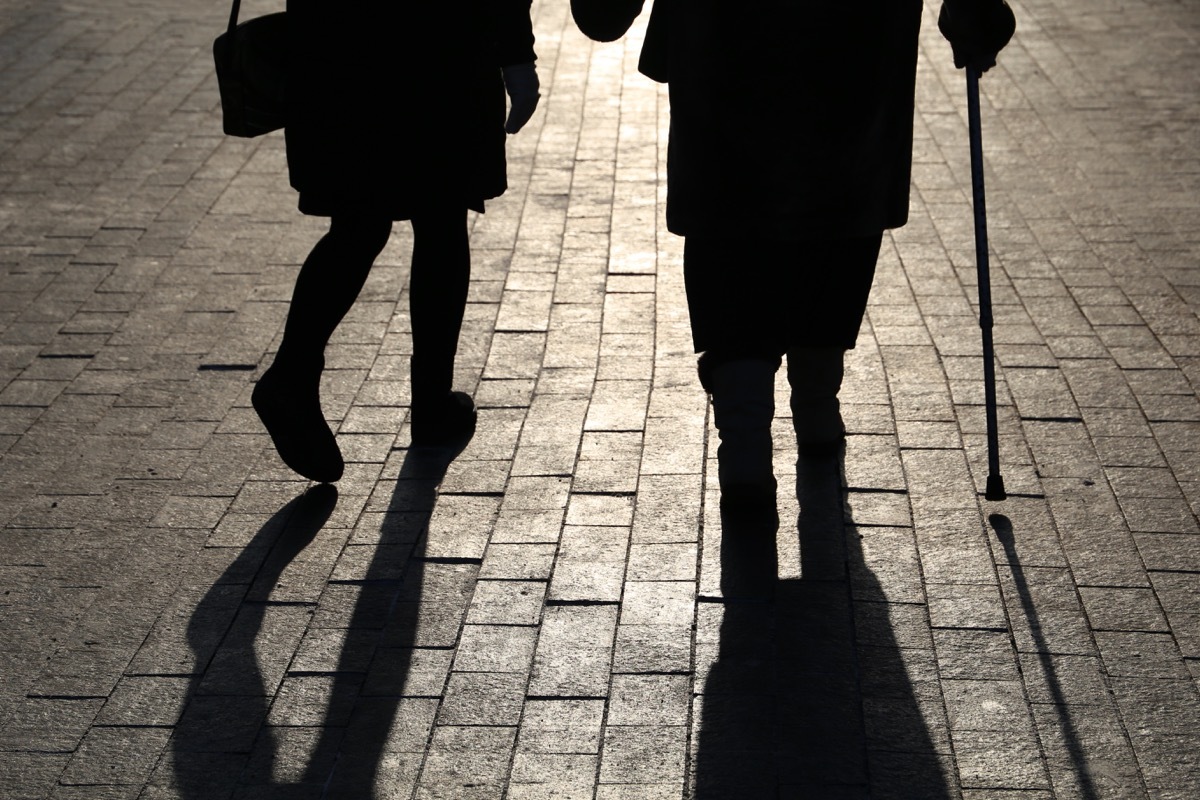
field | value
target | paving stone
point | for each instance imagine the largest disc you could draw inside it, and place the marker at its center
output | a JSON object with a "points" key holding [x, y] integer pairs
{"points": [[1140, 654], [43, 725], [649, 700], [999, 759], [643, 754], [975, 654], [460, 525], [31, 775], [506, 603], [664, 513], [116, 756], [891, 624], [1165, 551], [483, 698], [965, 606], [429, 624], [662, 562], [574, 652], [1123, 610], [408, 672], [144, 701], [638, 791], [658, 603], [986, 705], [590, 564], [517, 562], [600, 509], [1086, 751], [462, 756], [653, 648], [561, 726], [495, 648], [884, 565], [567, 773]]}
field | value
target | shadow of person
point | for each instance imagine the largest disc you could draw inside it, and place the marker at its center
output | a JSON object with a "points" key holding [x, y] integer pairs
{"points": [[364, 724], [395, 634], [736, 705], [227, 696], [789, 708]]}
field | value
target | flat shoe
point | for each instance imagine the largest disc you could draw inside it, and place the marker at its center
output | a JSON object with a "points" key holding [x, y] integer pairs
{"points": [[448, 422], [297, 427]]}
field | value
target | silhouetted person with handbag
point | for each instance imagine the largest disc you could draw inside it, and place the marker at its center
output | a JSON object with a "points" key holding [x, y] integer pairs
{"points": [[396, 111], [790, 154]]}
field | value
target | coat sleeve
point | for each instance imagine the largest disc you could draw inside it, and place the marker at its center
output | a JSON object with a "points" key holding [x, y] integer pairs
{"points": [[511, 30], [655, 59]]}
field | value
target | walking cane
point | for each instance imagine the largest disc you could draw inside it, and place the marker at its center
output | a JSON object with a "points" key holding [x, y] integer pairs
{"points": [[995, 482]]}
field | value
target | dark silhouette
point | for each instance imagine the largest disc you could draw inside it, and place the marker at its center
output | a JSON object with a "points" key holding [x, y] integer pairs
{"points": [[800, 702], [396, 111], [228, 696], [383, 631], [224, 747], [790, 153]]}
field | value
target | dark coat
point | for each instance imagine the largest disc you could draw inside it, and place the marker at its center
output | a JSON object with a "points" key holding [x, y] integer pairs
{"points": [[399, 106], [789, 119]]}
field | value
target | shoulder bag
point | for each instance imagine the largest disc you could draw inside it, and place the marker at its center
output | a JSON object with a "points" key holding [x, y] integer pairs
{"points": [[251, 60]]}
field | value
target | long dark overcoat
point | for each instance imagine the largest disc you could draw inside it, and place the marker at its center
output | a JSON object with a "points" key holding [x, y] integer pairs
{"points": [[398, 105], [789, 119]]}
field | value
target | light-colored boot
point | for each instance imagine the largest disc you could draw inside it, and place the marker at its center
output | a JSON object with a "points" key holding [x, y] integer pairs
{"points": [[743, 398], [815, 374]]}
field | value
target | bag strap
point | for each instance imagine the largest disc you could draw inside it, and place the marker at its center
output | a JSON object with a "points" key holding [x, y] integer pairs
{"points": [[233, 15]]}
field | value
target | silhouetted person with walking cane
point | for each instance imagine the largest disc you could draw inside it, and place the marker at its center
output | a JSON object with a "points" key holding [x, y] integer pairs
{"points": [[396, 111], [790, 154]]}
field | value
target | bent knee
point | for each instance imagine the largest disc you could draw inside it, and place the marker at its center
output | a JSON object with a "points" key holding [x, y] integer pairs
{"points": [[365, 236]]}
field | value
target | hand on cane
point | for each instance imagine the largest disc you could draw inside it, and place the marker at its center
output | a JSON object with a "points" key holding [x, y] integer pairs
{"points": [[521, 83], [977, 30]]}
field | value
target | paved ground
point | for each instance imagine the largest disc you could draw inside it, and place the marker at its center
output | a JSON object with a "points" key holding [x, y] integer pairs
{"points": [[544, 616]]}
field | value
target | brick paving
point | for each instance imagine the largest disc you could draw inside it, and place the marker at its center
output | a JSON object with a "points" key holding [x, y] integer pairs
{"points": [[545, 616]]}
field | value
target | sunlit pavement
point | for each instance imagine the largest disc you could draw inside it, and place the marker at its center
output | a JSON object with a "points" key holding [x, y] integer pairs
{"points": [[546, 614]]}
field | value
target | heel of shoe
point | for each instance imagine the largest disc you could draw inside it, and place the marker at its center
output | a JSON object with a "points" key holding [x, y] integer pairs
{"points": [[445, 423]]}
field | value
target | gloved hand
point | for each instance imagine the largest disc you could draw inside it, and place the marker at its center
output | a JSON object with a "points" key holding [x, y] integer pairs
{"points": [[605, 20], [977, 30], [521, 83]]}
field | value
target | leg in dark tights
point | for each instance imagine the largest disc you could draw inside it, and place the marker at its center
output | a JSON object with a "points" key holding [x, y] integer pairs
{"points": [[441, 272], [329, 283], [287, 396]]}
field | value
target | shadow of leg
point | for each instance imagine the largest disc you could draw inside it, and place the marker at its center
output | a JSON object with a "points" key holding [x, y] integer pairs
{"points": [[797, 698], [905, 744], [736, 706], [228, 694], [402, 640]]}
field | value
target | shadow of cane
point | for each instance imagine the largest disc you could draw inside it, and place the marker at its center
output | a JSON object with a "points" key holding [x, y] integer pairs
{"points": [[1085, 784], [797, 703]]}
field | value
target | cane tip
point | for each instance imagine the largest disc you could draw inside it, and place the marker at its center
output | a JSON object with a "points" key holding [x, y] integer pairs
{"points": [[995, 488]]}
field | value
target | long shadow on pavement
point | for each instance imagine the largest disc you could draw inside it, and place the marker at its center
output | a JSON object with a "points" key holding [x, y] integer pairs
{"points": [[228, 701], [782, 708], [389, 678], [1083, 771], [366, 722]]}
